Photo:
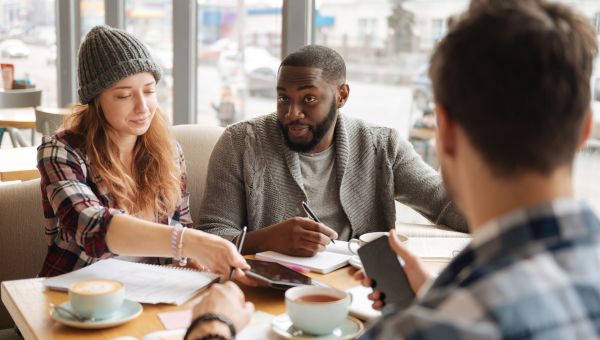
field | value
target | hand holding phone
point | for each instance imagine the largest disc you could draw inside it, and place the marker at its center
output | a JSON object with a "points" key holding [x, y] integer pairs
{"points": [[382, 265]]}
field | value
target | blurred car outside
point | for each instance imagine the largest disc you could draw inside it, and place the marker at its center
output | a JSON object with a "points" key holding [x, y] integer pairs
{"points": [[259, 68], [421, 86], [210, 53], [14, 48], [594, 140], [51, 55]]}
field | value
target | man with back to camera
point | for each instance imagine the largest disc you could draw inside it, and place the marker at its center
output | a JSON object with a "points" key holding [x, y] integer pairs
{"points": [[261, 170], [511, 83]]}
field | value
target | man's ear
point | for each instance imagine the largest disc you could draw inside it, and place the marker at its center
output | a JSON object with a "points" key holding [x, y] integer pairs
{"points": [[343, 93], [586, 131], [446, 131]]}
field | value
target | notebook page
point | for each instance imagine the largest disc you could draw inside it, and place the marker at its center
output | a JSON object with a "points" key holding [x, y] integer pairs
{"points": [[437, 247], [143, 283], [339, 247], [323, 262], [424, 230]]}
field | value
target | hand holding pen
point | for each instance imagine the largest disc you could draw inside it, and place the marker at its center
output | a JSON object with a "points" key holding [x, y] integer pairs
{"points": [[312, 215]]}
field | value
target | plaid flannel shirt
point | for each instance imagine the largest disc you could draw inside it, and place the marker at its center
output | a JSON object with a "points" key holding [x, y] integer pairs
{"points": [[532, 274], [77, 207]]}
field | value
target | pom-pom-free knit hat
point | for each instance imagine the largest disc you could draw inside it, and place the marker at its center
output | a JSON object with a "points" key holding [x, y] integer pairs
{"points": [[108, 55]]}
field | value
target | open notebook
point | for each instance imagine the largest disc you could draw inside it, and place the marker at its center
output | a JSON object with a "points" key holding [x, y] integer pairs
{"points": [[429, 242], [433, 243], [143, 282], [335, 256]]}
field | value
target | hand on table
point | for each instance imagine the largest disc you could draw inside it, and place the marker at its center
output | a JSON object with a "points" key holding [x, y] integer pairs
{"points": [[226, 300], [413, 267]]}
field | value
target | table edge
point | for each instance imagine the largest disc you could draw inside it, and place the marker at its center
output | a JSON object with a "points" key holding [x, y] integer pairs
{"points": [[15, 313]]}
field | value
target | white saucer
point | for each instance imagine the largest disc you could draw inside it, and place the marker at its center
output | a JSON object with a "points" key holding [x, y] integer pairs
{"points": [[350, 329], [354, 261], [129, 311]]}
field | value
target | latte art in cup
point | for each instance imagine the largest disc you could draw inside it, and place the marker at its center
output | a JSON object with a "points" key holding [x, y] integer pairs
{"points": [[96, 299], [94, 287]]}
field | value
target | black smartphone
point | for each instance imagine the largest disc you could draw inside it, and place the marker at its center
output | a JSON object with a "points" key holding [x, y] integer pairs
{"points": [[382, 265], [276, 275]]}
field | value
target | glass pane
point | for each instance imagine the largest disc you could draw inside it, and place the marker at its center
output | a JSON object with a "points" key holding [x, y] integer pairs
{"points": [[386, 45], [152, 22], [27, 40], [587, 163], [92, 14], [239, 44]]}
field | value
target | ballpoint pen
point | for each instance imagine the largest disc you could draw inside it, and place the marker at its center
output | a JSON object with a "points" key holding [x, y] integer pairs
{"points": [[312, 215], [239, 244]]}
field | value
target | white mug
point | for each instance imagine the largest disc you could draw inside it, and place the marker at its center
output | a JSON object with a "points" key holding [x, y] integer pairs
{"points": [[317, 310], [96, 299], [369, 237]]}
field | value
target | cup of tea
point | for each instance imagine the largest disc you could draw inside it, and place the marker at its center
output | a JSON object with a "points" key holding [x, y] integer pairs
{"points": [[317, 310], [354, 244], [96, 299]]}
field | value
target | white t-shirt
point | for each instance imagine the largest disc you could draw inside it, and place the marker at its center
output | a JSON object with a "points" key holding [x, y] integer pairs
{"points": [[321, 187]]}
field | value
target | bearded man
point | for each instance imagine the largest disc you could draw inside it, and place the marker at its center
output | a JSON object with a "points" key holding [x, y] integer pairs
{"points": [[350, 173]]}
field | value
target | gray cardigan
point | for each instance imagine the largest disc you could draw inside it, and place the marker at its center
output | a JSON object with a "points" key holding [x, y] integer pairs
{"points": [[254, 179]]}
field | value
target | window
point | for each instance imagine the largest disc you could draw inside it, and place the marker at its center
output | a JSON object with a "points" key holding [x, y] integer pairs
{"points": [[92, 14], [28, 41], [385, 45], [239, 45], [152, 22], [587, 163]]}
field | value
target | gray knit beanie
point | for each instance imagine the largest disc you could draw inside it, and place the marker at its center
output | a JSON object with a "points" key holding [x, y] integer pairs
{"points": [[108, 55]]}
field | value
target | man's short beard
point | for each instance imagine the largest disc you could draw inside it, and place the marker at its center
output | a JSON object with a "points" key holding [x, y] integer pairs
{"points": [[318, 132]]}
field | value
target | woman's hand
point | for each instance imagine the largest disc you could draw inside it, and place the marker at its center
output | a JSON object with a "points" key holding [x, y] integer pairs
{"points": [[413, 267], [214, 252]]}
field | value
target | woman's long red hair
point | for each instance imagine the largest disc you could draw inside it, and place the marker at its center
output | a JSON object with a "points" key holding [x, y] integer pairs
{"points": [[155, 180]]}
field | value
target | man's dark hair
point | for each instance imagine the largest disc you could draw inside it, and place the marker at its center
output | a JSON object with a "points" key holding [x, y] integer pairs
{"points": [[515, 75], [321, 57]]}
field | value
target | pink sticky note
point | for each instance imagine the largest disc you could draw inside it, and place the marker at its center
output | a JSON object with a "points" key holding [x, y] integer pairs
{"points": [[176, 320]]}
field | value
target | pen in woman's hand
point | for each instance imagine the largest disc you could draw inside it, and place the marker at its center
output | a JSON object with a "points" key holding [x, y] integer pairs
{"points": [[239, 245], [312, 215]]}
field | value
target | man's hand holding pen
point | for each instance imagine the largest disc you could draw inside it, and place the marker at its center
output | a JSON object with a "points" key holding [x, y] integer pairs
{"points": [[312, 215], [297, 236]]}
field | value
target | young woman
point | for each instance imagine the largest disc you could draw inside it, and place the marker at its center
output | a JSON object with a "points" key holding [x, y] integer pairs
{"points": [[113, 181]]}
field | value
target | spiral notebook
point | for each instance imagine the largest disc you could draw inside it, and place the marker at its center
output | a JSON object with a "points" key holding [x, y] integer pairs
{"points": [[334, 257], [144, 283]]}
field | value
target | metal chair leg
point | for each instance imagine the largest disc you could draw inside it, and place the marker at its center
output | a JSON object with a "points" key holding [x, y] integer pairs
{"points": [[17, 138]]}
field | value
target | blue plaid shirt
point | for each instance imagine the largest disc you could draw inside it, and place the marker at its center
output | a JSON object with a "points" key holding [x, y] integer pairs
{"points": [[532, 274]]}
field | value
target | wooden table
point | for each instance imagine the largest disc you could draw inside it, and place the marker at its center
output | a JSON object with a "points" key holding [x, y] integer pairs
{"points": [[28, 304], [422, 133], [25, 118], [18, 164], [20, 118]]}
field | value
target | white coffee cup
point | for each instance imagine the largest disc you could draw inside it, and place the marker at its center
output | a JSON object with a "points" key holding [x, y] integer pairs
{"points": [[363, 239], [96, 299], [317, 310]]}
